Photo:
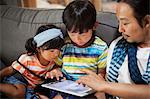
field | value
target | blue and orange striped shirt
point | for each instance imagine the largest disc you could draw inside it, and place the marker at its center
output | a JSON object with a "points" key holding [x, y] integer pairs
{"points": [[33, 64]]}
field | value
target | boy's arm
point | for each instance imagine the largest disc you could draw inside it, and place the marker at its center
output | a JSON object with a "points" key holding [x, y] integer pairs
{"points": [[102, 72], [102, 62], [6, 72]]}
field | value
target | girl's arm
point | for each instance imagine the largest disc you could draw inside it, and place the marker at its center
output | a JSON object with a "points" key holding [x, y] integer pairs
{"points": [[102, 62], [54, 73], [6, 72]]}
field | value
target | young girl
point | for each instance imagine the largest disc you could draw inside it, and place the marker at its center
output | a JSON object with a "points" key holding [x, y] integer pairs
{"points": [[42, 50]]}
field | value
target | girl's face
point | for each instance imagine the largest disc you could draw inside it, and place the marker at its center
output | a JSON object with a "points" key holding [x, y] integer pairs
{"points": [[128, 25], [81, 39], [50, 54]]}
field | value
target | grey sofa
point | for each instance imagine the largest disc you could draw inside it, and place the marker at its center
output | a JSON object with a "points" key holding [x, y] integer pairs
{"points": [[18, 24]]}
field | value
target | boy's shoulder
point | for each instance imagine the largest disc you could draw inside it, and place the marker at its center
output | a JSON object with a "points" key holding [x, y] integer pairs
{"points": [[99, 41]]}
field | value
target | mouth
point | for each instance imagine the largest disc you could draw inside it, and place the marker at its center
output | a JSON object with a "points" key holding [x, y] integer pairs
{"points": [[125, 36], [78, 44]]}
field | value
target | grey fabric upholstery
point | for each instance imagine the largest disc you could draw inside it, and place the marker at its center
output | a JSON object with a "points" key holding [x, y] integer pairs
{"points": [[2, 65], [19, 24], [108, 26]]}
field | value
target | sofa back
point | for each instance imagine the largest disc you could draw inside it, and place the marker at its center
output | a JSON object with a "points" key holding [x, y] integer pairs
{"points": [[19, 24]]}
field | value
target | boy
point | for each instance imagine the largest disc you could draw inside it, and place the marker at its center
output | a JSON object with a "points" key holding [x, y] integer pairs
{"points": [[85, 50]]}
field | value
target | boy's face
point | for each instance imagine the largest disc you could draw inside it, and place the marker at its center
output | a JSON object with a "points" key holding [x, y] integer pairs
{"points": [[80, 38]]}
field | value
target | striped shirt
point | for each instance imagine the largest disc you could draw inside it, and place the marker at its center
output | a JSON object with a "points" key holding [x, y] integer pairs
{"points": [[33, 64], [143, 62], [92, 57]]}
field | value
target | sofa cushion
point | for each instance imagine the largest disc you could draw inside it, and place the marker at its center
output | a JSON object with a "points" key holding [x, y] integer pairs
{"points": [[108, 26], [2, 65]]}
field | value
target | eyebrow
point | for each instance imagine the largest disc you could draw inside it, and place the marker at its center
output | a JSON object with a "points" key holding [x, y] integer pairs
{"points": [[124, 19]]}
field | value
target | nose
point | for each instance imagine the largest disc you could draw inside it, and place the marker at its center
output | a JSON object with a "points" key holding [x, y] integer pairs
{"points": [[121, 28], [77, 39]]}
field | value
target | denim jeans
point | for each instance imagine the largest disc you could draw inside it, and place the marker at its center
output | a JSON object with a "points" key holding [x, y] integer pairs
{"points": [[13, 80]]}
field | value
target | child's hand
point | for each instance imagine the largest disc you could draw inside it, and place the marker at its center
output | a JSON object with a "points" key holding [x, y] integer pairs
{"points": [[54, 73]]}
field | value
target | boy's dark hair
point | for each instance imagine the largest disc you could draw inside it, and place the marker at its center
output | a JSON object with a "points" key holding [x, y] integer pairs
{"points": [[140, 8], [79, 16], [55, 43]]}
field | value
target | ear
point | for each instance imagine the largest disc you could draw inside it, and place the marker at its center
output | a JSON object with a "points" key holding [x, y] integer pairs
{"points": [[146, 21], [95, 25]]}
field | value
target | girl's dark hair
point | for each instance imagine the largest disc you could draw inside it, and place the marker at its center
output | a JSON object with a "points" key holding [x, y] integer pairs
{"points": [[55, 43], [140, 8], [79, 16]]}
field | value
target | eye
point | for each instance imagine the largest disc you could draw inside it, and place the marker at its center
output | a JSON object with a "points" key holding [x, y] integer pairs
{"points": [[72, 34], [125, 23], [83, 34]]}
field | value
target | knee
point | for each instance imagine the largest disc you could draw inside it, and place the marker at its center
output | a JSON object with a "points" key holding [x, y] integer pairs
{"points": [[20, 91], [19, 94]]}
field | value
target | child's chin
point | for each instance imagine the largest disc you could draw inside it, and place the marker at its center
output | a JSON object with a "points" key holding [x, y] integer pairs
{"points": [[81, 44]]}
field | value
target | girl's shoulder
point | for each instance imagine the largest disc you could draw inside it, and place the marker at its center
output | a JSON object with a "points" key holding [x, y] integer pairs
{"points": [[25, 57]]}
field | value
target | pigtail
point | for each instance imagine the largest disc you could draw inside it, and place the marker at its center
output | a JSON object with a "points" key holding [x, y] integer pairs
{"points": [[31, 46]]}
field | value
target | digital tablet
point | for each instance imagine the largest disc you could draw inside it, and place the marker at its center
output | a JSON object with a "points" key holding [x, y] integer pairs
{"points": [[69, 87]]}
